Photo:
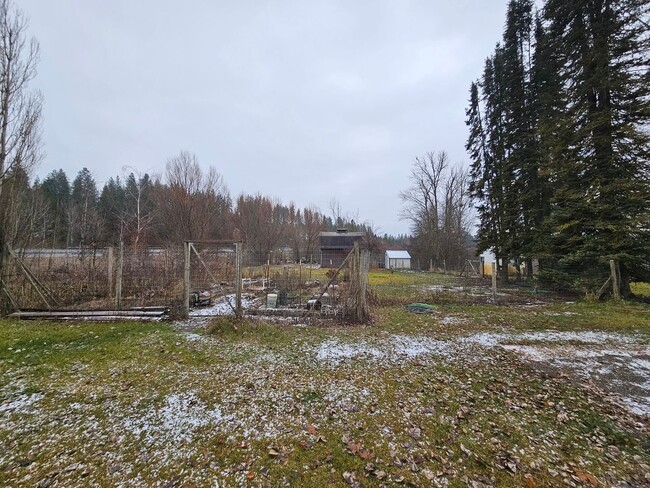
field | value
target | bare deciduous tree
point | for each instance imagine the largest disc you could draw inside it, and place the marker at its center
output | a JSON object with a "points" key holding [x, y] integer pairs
{"points": [[313, 224], [259, 222], [138, 215], [193, 203], [20, 111], [438, 207], [20, 108]]}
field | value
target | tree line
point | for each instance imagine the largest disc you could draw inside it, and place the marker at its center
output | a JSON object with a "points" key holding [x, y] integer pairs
{"points": [[559, 140], [185, 203]]}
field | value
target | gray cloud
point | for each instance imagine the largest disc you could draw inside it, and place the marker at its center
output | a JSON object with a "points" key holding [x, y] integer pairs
{"points": [[301, 100]]}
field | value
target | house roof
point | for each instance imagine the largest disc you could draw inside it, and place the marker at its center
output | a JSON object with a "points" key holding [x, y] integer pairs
{"points": [[398, 255]]}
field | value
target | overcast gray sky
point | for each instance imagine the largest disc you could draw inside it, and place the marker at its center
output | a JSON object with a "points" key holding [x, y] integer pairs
{"points": [[301, 100]]}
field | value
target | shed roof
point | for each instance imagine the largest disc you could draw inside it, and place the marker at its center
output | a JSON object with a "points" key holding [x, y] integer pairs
{"points": [[342, 234], [398, 255]]}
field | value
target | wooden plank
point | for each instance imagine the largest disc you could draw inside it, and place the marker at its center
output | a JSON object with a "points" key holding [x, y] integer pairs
{"points": [[89, 313], [603, 288], [216, 241]]}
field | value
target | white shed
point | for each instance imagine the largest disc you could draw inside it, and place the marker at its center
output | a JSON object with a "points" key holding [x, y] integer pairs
{"points": [[398, 260]]}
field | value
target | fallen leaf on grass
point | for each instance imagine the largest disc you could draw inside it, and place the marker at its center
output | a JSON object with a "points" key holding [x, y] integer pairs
{"points": [[311, 429], [530, 482], [415, 433], [467, 452], [353, 447], [586, 476], [351, 479]]}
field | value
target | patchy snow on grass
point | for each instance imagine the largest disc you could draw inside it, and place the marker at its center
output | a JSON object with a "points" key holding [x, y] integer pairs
{"points": [[177, 419], [414, 346], [333, 351], [452, 321], [618, 363], [20, 403], [393, 348], [623, 371], [491, 339], [198, 338], [14, 398], [225, 306]]}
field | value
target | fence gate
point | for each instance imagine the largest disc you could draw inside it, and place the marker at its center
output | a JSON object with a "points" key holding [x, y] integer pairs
{"points": [[212, 281]]}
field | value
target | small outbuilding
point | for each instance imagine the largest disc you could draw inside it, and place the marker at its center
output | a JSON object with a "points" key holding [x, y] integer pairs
{"points": [[398, 260], [335, 246]]}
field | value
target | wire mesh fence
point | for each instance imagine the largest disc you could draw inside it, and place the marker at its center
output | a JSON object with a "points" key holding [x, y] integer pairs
{"points": [[220, 278], [47, 278], [94, 278], [214, 278]]}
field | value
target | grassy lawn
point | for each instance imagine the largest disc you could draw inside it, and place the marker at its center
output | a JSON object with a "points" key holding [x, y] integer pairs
{"points": [[641, 289], [404, 402]]}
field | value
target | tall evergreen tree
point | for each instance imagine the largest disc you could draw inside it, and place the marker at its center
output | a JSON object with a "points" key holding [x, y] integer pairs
{"points": [[111, 207], [489, 177], [86, 225], [601, 204], [560, 147], [56, 192]]}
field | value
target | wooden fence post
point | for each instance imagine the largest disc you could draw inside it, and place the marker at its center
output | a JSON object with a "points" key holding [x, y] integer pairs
{"points": [[118, 277], [109, 270], [616, 288], [494, 282], [238, 277], [357, 304], [186, 281]]}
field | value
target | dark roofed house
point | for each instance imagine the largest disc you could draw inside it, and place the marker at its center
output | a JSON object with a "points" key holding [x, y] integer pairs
{"points": [[335, 246]]}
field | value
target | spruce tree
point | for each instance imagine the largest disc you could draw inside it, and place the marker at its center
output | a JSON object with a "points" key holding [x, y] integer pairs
{"points": [[601, 202], [56, 191]]}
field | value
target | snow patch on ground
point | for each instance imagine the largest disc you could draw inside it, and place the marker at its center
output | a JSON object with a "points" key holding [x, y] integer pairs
{"points": [[334, 351], [623, 371], [177, 419], [225, 306], [452, 321], [21, 403], [491, 339], [412, 347], [618, 363]]}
